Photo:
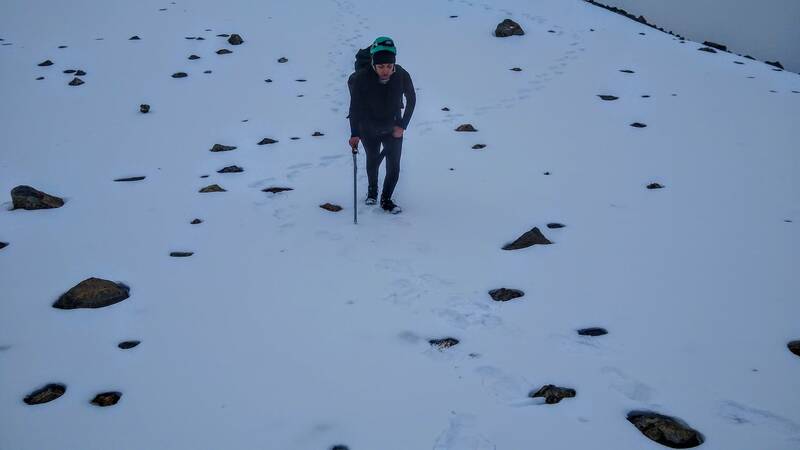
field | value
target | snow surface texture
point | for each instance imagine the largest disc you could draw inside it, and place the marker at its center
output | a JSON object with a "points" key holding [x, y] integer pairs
{"points": [[292, 328]]}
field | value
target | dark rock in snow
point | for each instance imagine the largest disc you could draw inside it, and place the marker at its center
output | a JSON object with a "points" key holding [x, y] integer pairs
{"points": [[529, 238], [282, 60], [638, 125], [131, 179], [267, 141], [268, 80], [181, 254], [466, 127], [794, 347], [555, 225], [508, 28], [317, 134], [231, 169], [608, 98], [453, 17], [223, 51], [179, 75], [45, 63], [144, 108], [222, 148], [207, 71], [340, 447], [478, 146], [707, 49], [442, 344], [505, 294], [445, 109], [275, 190], [203, 176], [80, 73], [715, 45], [76, 82], [655, 186], [128, 344], [552, 394], [40, 78], [594, 331], [193, 57], [294, 138], [3, 245], [515, 69], [235, 39], [547, 173], [665, 430], [626, 71], [200, 39], [62, 46], [189, 37], [134, 38], [196, 222], [93, 293], [46, 394], [301, 80], [106, 398], [775, 64], [645, 96], [223, 35], [331, 207], [26, 197], [212, 188], [70, 71]]}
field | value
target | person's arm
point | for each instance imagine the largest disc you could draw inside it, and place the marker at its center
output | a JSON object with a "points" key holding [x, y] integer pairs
{"points": [[355, 105], [411, 100]]}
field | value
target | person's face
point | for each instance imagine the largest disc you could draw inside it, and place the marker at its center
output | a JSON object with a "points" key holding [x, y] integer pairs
{"points": [[384, 70]]}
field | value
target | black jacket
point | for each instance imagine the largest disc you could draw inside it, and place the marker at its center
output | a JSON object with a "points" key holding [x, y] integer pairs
{"points": [[379, 105]]}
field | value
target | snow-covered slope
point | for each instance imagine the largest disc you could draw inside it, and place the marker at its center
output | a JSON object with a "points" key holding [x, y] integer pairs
{"points": [[292, 328]]}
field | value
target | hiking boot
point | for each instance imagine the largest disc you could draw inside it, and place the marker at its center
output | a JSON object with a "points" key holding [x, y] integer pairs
{"points": [[389, 206], [370, 201]]}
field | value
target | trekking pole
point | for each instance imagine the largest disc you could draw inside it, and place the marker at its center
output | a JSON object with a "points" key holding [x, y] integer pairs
{"points": [[355, 196]]}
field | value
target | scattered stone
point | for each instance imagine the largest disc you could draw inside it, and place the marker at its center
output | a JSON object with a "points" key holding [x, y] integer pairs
{"points": [[275, 190], [478, 146], [508, 28], [529, 238], [552, 394], [445, 343], [46, 394], [40, 78], [144, 108], [181, 254], [555, 225], [642, 34], [794, 347], [267, 141], [445, 109], [331, 207], [775, 64], [645, 96], [546, 173], [655, 186], [466, 127], [223, 51], [223, 35], [26, 197], [594, 331], [608, 98], [200, 39], [128, 344], [179, 75], [134, 38], [235, 39], [207, 71], [222, 148], [453, 17], [551, 31], [70, 71], [162, 9], [268, 80], [301, 95], [80, 73], [212, 188], [707, 49], [76, 82], [515, 69], [189, 37], [45, 63], [196, 222], [106, 398], [93, 293], [300, 80], [504, 294], [231, 169], [193, 57], [282, 60], [665, 430], [340, 447], [626, 71], [131, 179], [317, 134], [3, 245], [62, 46], [294, 138], [638, 125], [716, 46]]}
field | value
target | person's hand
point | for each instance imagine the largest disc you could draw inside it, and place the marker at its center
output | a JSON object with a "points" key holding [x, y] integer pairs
{"points": [[354, 143], [398, 132]]}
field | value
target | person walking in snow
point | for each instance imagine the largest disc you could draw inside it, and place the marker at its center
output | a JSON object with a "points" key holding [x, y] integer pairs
{"points": [[375, 117]]}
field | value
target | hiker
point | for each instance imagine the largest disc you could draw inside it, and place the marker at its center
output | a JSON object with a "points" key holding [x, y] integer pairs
{"points": [[376, 98]]}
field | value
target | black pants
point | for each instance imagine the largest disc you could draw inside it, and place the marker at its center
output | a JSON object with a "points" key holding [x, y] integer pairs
{"points": [[392, 149]]}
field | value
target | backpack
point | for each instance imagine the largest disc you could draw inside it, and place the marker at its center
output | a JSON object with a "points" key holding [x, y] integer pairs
{"points": [[363, 59]]}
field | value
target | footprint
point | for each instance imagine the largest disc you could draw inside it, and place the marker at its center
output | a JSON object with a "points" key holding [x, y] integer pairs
{"points": [[627, 386], [502, 386], [462, 434]]}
